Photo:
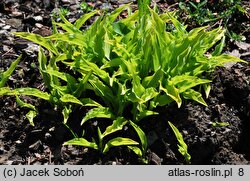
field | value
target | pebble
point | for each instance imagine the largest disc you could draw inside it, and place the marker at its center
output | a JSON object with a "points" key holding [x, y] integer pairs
{"points": [[38, 18], [66, 1], [6, 27], [37, 155], [2, 25], [38, 25], [6, 48], [9, 162], [47, 136], [106, 6], [185, 132], [1, 150], [18, 142]]}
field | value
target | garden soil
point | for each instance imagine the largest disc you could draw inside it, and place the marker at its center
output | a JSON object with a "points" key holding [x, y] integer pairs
{"points": [[208, 141]]}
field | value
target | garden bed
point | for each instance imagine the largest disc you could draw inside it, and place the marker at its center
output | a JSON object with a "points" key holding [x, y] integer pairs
{"points": [[208, 141]]}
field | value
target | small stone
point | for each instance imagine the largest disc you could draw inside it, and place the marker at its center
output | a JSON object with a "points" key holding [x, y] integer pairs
{"points": [[6, 48], [71, 20], [18, 142], [2, 25], [1, 150], [52, 129], [38, 18], [31, 48], [185, 132], [66, 1], [208, 131], [38, 25], [37, 155], [6, 27], [48, 135], [106, 6], [9, 162]]}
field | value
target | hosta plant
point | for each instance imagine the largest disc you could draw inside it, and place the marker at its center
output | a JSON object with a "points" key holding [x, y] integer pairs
{"points": [[123, 69]]}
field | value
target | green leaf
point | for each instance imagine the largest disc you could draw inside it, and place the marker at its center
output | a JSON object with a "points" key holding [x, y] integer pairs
{"points": [[143, 7], [82, 84], [153, 81], [97, 71], [81, 142], [222, 59], [90, 102], [172, 92], [5, 76], [68, 98], [102, 90], [62, 75], [183, 149], [45, 42], [113, 15], [145, 113], [218, 49], [184, 82], [42, 60], [24, 104], [137, 88], [25, 91], [207, 88], [142, 136], [162, 100], [119, 141], [194, 95], [66, 112], [136, 150], [81, 21], [71, 38], [116, 126], [32, 113], [149, 94], [220, 124], [30, 116], [69, 28], [100, 112]]}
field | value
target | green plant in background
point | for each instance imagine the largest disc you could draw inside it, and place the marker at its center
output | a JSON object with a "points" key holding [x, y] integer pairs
{"points": [[129, 67], [85, 7], [227, 12], [62, 11]]}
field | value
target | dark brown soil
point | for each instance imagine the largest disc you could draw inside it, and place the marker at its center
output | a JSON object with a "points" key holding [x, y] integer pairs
{"points": [[20, 143]]}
